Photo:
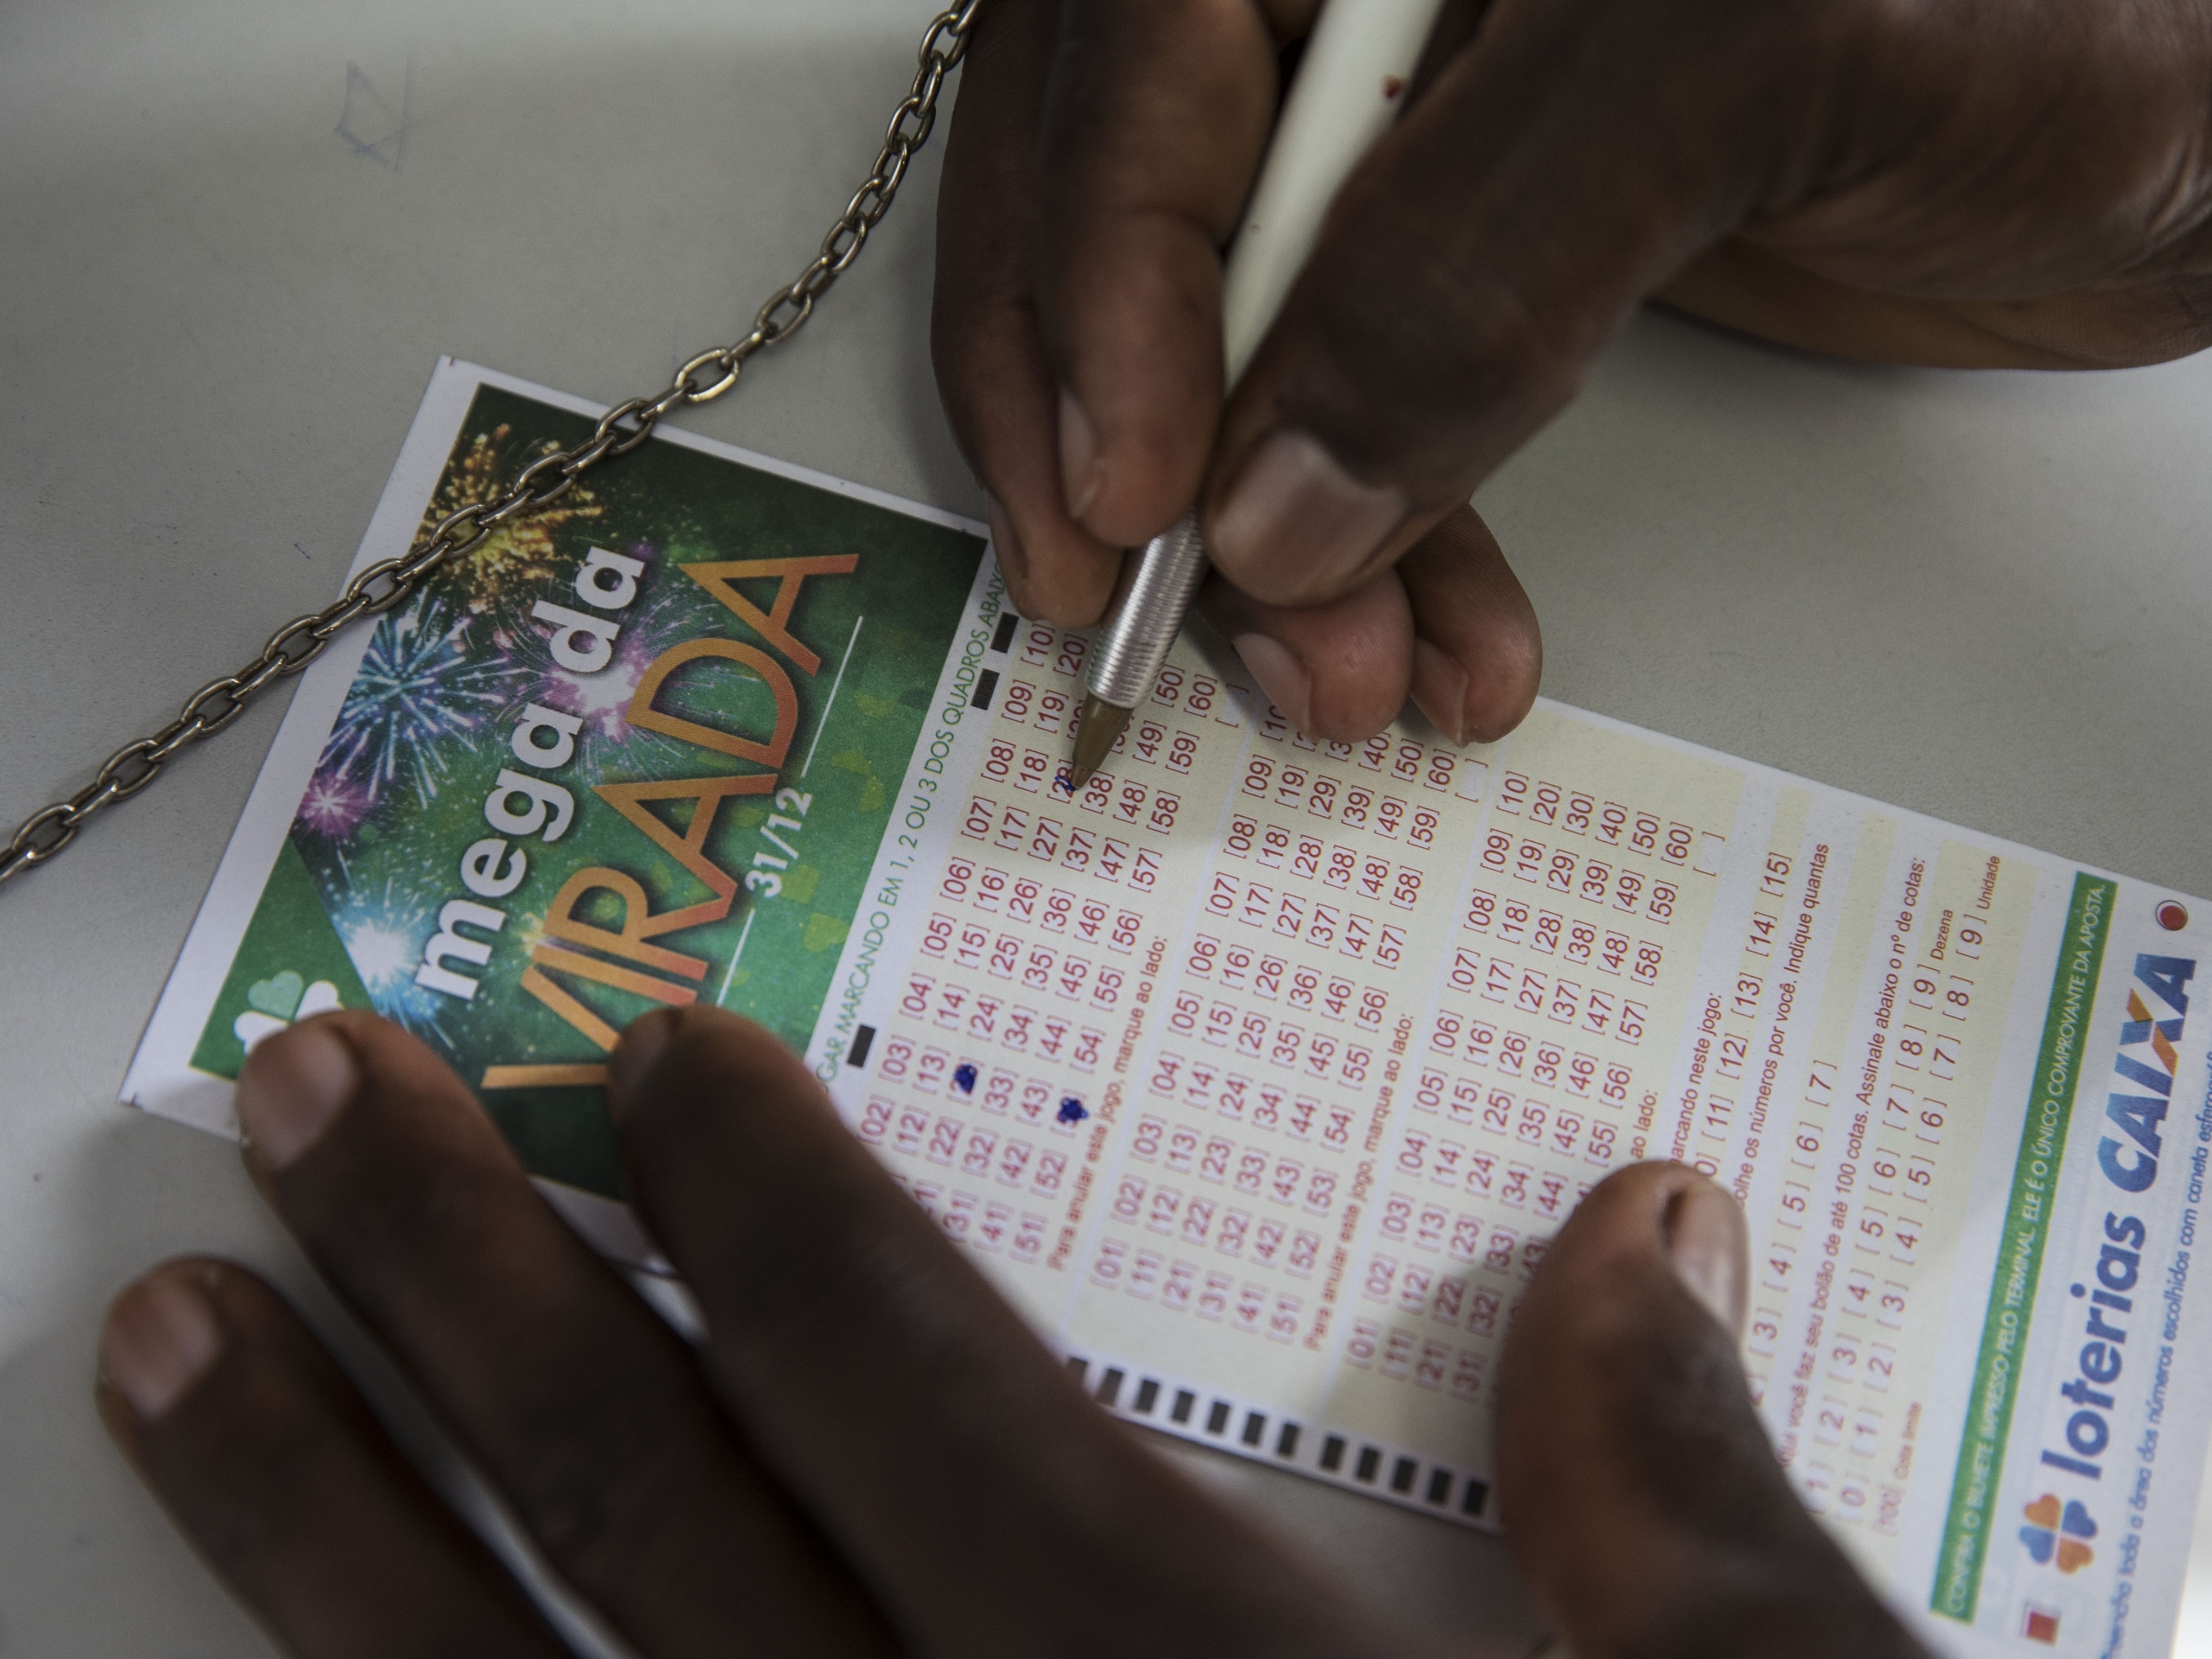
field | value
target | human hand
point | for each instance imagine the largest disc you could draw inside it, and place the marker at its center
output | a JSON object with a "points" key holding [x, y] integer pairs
{"points": [[869, 1453], [1972, 185]]}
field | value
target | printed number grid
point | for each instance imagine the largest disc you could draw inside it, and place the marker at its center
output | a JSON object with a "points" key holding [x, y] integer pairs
{"points": [[1855, 1216], [1326, 1091]]}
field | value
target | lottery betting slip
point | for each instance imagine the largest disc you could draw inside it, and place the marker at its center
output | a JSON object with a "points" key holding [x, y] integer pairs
{"points": [[1259, 1074]]}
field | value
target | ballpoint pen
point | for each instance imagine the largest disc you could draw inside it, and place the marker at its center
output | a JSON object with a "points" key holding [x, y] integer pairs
{"points": [[1350, 85]]}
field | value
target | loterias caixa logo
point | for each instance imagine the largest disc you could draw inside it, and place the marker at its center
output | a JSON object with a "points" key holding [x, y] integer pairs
{"points": [[2071, 1428], [2059, 1537], [2106, 1297], [2141, 1092]]}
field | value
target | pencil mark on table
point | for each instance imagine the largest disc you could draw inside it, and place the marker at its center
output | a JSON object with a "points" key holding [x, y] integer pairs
{"points": [[369, 123]]}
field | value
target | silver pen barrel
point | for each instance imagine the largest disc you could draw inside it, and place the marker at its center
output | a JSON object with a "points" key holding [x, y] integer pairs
{"points": [[1130, 649]]}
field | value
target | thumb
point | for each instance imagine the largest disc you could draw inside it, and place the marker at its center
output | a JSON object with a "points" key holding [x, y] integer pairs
{"points": [[1637, 1487], [1560, 167]]}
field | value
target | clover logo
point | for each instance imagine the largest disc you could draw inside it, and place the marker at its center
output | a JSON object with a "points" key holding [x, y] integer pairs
{"points": [[274, 1003], [2053, 1531]]}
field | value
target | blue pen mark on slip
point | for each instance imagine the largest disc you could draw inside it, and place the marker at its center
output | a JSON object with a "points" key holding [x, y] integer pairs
{"points": [[369, 123], [963, 1078], [1071, 1109]]}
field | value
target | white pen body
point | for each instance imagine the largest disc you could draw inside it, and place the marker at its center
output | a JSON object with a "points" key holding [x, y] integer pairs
{"points": [[1350, 85], [1349, 88]]}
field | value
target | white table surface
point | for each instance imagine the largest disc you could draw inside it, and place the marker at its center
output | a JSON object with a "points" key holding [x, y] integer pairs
{"points": [[235, 234]]}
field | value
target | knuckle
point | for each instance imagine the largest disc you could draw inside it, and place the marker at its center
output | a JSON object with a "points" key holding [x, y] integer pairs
{"points": [[608, 1467], [1425, 367], [389, 1225]]}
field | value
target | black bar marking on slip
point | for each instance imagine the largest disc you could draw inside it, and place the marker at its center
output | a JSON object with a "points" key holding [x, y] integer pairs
{"points": [[1332, 1453], [985, 683], [1076, 1368], [1478, 1494], [858, 1054], [1217, 1417], [1148, 1395], [1371, 1459], [1109, 1386], [1286, 1443], [1439, 1485], [1255, 1427], [1402, 1473], [1008, 621], [1184, 1400]]}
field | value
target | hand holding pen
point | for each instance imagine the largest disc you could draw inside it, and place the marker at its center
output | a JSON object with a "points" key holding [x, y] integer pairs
{"points": [[1854, 179], [1353, 80]]}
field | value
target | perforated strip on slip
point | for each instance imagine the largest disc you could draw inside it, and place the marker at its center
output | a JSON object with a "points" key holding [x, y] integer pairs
{"points": [[1205, 1415]]}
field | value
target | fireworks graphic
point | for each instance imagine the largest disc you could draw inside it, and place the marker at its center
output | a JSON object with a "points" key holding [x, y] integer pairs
{"points": [[417, 693], [519, 554], [334, 806], [384, 929], [664, 614]]}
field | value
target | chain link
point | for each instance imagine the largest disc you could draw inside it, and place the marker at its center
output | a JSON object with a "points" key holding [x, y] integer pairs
{"points": [[49, 832]]}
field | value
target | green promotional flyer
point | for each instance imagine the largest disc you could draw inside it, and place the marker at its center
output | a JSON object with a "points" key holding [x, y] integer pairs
{"points": [[635, 749]]}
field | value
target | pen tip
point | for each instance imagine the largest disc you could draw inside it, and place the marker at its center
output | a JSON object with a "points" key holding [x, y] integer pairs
{"points": [[1096, 730]]}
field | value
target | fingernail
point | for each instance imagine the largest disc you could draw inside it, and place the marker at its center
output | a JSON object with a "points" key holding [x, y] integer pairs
{"points": [[1706, 1242], [160, 1335], [634, 1055], [294, 1085], [1281, 675], [1293, 512], [1440, 690], [1082, 472], [1013, 559]]}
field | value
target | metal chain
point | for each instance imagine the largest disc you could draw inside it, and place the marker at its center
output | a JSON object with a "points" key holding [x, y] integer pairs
{"points": [[389, 582]]}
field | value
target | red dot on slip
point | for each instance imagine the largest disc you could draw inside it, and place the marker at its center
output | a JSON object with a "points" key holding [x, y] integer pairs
{"points": [[2172, 917], [1393, 85]]}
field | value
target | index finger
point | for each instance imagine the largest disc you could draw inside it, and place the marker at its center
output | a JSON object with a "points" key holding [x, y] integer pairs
{"points": [[568, 1391], [904, 1403], [1155, 120]]}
